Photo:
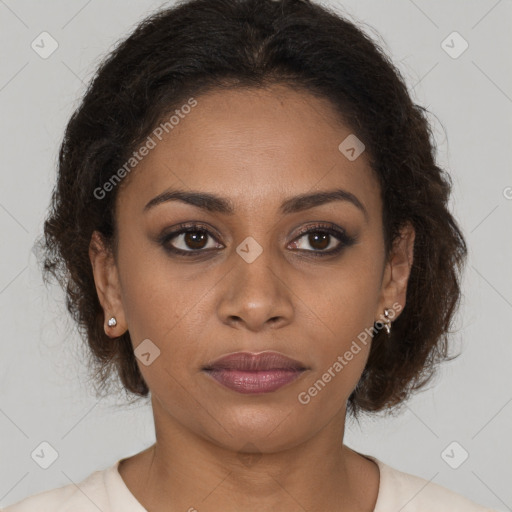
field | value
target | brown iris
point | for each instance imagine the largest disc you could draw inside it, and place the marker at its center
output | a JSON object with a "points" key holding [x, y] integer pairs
{"points": [[195, 239], [316, 237]]}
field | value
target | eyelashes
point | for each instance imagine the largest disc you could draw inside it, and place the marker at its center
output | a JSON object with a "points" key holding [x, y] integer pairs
{"points": [[195, 240]]}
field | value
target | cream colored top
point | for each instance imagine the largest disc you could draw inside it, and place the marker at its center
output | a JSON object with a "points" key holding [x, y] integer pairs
{"points": [[105, 490]]}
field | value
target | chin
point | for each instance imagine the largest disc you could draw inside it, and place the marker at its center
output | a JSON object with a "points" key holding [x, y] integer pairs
{"points": [[262, 429]]}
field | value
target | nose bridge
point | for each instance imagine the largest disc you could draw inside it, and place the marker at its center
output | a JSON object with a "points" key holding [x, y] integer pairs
{"points": [[255, 293]]}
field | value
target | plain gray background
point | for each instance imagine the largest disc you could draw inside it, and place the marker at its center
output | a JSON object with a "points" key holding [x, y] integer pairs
{"points": [[44, 390]]}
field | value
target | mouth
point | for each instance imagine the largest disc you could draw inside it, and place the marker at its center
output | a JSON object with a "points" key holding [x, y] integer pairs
{"points": [[249, 373]]}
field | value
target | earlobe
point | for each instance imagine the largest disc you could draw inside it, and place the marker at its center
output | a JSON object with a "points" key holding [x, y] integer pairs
{"points": [[107, 284]]}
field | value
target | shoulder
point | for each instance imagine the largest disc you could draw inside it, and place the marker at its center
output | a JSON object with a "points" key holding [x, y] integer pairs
{"points": [[89, 495], [411, 493]]}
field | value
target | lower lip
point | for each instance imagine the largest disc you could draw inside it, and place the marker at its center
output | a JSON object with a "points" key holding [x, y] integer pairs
{"points": [[249, 382]]}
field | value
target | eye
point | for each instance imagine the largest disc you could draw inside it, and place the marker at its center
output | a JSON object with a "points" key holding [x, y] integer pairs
{"points": [[322, 240], [193, 239], [189, 240]]}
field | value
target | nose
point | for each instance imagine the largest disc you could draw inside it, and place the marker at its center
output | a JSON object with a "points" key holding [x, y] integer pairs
{"points": [[255, 296]]}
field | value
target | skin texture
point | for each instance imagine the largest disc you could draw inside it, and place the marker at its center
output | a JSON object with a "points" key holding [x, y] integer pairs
{"points": [[257, 148]]}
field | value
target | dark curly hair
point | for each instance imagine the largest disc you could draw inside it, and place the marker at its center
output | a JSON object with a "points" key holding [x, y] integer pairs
{"points": [[196, 46]]}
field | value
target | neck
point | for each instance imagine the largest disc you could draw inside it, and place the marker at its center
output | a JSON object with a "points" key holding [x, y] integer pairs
{"points": [[187, 471]]}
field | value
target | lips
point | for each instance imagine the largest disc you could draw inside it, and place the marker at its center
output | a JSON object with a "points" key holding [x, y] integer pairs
{"points": [[246, 361], [249, 373]]}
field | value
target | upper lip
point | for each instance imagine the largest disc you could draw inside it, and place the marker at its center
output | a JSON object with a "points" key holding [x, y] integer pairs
{"points": [[248, 361]]}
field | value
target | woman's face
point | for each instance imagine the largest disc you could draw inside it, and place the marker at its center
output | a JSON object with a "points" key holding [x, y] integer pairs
{"points": [[250, 281]]}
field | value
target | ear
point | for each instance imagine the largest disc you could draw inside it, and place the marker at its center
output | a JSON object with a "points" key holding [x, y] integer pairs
{"points": [[106, 279], [396, 274]]}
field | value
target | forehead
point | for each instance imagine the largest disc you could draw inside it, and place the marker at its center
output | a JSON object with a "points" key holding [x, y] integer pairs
{"points": [[256, 146]]}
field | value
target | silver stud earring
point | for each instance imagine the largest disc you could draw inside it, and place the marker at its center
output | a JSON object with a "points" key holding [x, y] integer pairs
{"points": [[387, 321], [112, 322]]}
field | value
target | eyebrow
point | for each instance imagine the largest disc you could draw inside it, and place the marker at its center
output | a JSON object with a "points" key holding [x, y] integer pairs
{"points": [[217, 204]]}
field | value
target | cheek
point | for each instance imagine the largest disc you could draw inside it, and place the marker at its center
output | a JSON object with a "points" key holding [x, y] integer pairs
{"points": [[344, 297], [342, 342], [341, 312], [155, 296], [159, 307]]}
